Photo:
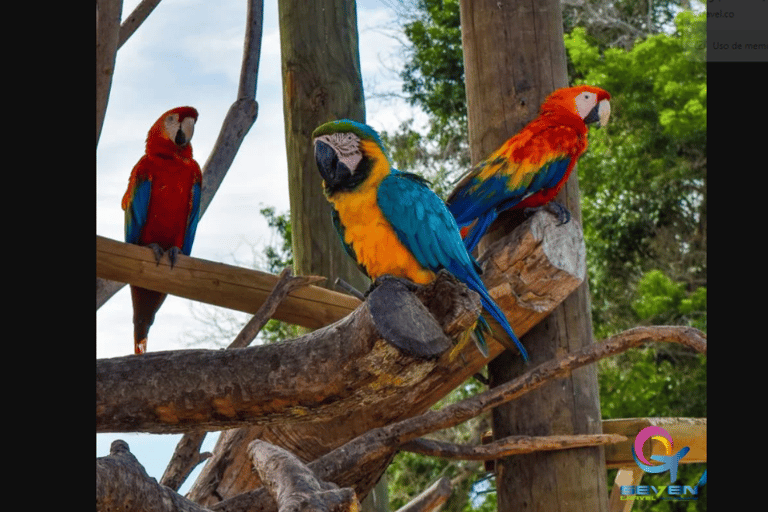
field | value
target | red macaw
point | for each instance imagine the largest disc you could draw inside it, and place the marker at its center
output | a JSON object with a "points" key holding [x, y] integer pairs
{"points": [[162, 205], [529, 169]]}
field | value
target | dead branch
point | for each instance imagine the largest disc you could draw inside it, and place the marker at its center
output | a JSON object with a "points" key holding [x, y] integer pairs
{"points": [[293, 486], [286, 283], [135, 19], [366, 452], [431, 499], [512, 445], [122, 485], [108, 14], [186, 456]]}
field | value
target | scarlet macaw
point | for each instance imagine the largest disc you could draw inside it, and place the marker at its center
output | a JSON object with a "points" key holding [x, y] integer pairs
{"points": [[390, 222], [162, 205], [529, 169]]}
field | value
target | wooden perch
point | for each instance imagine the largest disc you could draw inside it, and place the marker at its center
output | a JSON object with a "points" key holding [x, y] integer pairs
{"points": [[293, 486], [218, 284]]}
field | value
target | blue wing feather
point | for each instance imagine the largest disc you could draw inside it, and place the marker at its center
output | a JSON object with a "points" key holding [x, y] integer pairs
{"points": [[432, 235], [136, 212], [194, 217]]}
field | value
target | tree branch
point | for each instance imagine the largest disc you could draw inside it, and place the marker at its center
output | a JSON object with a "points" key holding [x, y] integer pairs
{"points": [[431, 499], [186, 456], [512, 445], [108, 14], [345, 464], [293, 486], [135, 19], [286, 283], [123, 485]]}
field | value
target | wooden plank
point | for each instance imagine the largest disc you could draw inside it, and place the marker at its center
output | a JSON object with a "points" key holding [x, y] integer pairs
{"points": [[690, 432], [219, 284]]}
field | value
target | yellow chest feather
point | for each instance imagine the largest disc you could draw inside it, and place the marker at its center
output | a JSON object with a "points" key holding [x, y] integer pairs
{"points": [[372, 237]]}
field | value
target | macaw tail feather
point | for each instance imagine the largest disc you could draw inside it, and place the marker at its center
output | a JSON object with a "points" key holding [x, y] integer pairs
{"points": [[145, 305]]}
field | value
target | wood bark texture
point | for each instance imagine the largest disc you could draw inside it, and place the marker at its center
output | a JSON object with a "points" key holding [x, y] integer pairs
{"points": [[228, 473], [321, 82]]}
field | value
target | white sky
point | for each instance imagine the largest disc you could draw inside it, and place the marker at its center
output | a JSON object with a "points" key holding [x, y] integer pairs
{"points": [[188, 52]]}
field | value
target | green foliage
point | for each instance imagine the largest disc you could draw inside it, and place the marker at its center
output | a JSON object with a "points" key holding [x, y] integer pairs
{"points": [[643, 179]]}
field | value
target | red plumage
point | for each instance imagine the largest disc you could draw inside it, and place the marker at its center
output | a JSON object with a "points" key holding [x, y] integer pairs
{"points": [[162, 205]]}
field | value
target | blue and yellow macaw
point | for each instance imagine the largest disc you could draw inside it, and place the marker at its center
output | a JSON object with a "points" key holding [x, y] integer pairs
{"points": [[390, 222]]}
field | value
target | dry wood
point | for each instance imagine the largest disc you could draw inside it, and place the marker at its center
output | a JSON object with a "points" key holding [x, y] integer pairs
{"points": [[186, 456], [431, 499], [323, 375], [108, 14], [293, 486], [238, 121], [345, 465], [122, 485], [227, 474], [512, 445], [219, 284], [135, 19], [286, 283]]}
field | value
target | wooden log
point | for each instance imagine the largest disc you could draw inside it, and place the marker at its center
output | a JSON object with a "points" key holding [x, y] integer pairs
{"points": [[228, 473], [218, 284]]}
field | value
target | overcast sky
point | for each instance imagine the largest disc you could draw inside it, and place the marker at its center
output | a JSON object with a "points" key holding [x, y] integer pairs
{"points": [[189, 52]]}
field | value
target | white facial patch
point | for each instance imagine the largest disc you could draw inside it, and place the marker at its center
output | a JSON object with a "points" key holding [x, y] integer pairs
{"points": [[346, 146], [171, 125], [585, 102]]}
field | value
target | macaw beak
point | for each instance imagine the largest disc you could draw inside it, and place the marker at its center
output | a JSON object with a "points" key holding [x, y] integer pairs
{"points": [[599, 114], [334, 172], [181, 138]]}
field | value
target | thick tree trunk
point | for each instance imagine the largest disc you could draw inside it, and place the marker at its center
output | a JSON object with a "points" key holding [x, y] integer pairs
{"points": [[514, 56], [321, 82]]}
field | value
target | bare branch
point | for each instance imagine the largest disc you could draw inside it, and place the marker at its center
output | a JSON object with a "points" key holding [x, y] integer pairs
{"points": [[136, 18], [431, 499], [108, 14], [123, 485], [512, 445], [286, 284], [185, 458], [293, 486]]}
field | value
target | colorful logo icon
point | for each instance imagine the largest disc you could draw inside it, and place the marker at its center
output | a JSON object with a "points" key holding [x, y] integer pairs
{"points": [[668, 461]]}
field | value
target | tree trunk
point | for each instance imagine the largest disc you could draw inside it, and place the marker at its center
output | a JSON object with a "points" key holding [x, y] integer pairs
{"points": [[321, 82], [514, 56]]}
